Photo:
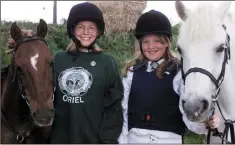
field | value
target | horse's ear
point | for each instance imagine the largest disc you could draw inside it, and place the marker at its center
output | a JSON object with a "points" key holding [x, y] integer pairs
{"points": [[223, 9], [181, 10], [230, 16], [16, 33], [42, 29]]}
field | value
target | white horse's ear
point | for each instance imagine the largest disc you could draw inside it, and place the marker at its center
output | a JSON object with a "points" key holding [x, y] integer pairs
{"points": [[231, 17], [181, 10], [223, 9]]}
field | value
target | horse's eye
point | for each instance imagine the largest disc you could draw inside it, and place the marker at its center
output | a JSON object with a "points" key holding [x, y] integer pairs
{"points": [[20, 72], [179, 50], [51, 63], [220, 49]]}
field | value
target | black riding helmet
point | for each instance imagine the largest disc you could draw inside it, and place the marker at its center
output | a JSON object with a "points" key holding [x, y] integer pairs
{"points": [[85, 11], [153, 22]]}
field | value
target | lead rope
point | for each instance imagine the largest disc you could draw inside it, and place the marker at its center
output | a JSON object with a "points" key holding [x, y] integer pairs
{"points": [[228, 126]]}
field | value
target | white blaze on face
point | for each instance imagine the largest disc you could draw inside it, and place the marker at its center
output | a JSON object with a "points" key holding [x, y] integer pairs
{"points": [[34, 60]]}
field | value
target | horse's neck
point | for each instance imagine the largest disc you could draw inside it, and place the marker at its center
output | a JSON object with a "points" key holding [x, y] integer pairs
{"points": [[12, 104], [227, 94], [227, 99]]}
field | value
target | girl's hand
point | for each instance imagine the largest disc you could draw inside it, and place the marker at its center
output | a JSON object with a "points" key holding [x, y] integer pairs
{"points": [[213, 122]]}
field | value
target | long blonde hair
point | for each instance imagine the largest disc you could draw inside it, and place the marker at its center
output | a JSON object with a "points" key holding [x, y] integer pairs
{"points": [[170, 60]]}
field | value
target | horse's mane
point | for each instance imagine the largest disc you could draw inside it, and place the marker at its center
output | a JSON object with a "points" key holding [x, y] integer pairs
{"points": [[200, 23], [11, 42]]}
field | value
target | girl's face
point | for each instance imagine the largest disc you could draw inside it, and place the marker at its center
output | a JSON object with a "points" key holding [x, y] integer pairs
{"points": [[153, 47], [86, 32]]}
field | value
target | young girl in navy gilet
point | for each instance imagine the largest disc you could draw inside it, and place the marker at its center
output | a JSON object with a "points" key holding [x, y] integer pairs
{"points": [[151, 109]]}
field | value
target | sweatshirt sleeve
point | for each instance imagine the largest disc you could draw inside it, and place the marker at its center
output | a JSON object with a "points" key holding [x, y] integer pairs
{"points": [[196, 127], [112, 121]]}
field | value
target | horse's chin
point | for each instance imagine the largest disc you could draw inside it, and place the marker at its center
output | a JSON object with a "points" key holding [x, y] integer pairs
{"points": [[197, 119], [200, 118], [43, 118], [43, 124]]}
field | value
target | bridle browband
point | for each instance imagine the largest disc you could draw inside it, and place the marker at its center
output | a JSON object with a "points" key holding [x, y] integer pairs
{"points": [[20, 137], [217, 82]]}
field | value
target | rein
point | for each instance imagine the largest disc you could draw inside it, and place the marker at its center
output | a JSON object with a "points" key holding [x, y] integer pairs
{"points": [[20, 137], [217, 82]]}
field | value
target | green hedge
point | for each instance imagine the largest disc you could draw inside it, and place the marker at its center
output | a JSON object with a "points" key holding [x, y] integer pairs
{"points": [[118, 45]]}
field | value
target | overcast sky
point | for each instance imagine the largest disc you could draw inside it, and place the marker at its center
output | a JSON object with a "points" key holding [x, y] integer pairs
{"points": [[34, 10]]}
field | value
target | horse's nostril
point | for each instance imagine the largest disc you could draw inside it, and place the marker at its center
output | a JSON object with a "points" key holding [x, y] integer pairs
{"points": [[183, 103], [205, 104], [34, 114], [52, 111]]}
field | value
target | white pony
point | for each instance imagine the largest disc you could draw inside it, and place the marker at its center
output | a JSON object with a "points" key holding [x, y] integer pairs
{"points": [[206, 42]]}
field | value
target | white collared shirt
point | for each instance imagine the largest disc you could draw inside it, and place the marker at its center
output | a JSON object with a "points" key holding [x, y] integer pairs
{"points": [[137, 135]]}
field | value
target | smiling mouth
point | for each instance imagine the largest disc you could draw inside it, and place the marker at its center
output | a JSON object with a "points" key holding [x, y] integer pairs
{"points": [[152, 52], [86, 39]]}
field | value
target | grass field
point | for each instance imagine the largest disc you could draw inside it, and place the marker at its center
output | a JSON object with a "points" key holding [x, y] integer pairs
{"points": [[192, 138]]}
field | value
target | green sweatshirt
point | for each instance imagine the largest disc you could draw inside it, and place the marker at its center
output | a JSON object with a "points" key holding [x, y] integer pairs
{"points": [[87, 99]]}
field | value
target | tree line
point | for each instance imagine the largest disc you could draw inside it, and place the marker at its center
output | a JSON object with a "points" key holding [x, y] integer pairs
{"points": [[119, 45]]}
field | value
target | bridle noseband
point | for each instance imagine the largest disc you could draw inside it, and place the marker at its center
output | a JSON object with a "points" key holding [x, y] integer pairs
{"points": [[217, 82], [20, 137]]}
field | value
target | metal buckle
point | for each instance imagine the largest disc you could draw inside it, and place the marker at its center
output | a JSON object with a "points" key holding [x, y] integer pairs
{"points": [[28, 133], [229, 121], [20, 138]]}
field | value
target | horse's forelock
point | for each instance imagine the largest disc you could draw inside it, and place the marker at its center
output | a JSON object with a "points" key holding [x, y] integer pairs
{"points": [[200, 24], [28, 33]]}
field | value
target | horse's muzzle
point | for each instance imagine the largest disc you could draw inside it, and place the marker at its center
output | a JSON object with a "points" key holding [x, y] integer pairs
{"points": [[194, 109], [44, 117]]}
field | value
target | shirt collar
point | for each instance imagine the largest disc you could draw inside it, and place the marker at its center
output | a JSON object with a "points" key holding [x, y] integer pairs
{"points": [[152, 65]]}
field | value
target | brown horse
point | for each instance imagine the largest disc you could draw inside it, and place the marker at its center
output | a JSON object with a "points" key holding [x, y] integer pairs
{"points": [[27, 110]]}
